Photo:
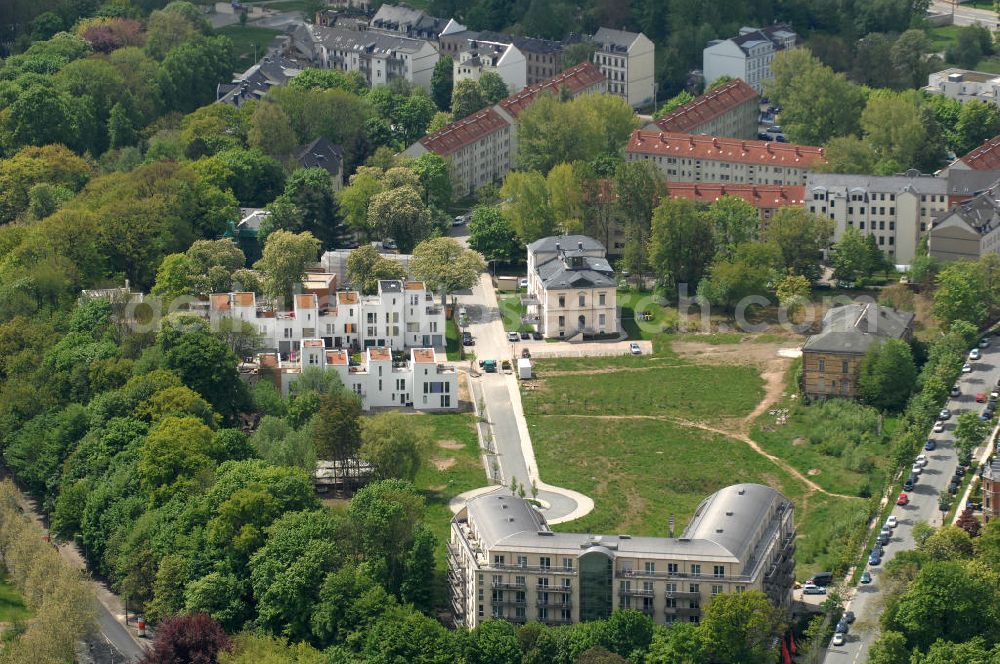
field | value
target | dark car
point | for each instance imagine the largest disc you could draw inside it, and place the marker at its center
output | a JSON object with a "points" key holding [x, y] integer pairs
{"points": [[848, 617], [525, 335], [763, 137], [930, 445], [537, 336], [781, 138], [953, 488], [908, 483], [874, 558], [467, 339], [842, 627], [821, 579]]}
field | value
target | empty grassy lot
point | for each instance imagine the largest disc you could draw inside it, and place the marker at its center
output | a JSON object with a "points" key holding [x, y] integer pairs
{"points": [[12, 607], [244, 38]]}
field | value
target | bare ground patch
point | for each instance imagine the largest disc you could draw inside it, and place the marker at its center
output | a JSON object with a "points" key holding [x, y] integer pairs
{"points": [[443, 464], [448, 444]]}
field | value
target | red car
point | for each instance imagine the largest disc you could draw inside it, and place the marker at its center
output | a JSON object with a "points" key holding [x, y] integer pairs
{"points": [[980, 397], [903, 499]]}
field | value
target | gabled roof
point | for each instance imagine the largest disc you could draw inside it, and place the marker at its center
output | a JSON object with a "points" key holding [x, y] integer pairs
{"points": [[690, 146], [456, 135], [760, 196], [986, 156], [564, 242], [708, 106], [775, 34], [981, 212], [852, 328], [343, 39], [575, 80], [321, 153], [618, 38]]}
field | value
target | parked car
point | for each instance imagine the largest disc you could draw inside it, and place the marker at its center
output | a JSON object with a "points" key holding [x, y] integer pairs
{"points": [[916, 469], [986, 415], [921, 459], [966, 368], [775, 129], [537, 336], [389, 243], [763, 137], [866, 577], [526, 353], [974, 354], [839, 639], [909, 482], [903, 499], [994, 396], [955, 391], [930, 445], [821, 579], [874, 558], [513, 336], [953, 488], [892, 521], [842, 627], [781, 138], [634, 349], [848, 617], [938, 427], [489, 366], [812, 589], [459, 220], [945, 414], [522, 283], [467, 339], [984, 342], [525, 336], [883, 538], [980, 397]]}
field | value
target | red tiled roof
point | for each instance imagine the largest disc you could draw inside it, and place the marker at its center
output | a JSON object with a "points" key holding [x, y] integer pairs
{"points": [[455, 136], [337, 357], [220, 301], [575, 79], [986, 156], [305, 301], [312, 343], [243, 299], [758, 195], [423, 355], [713, 148], [347, 297], [379, 353], [710, 105], [413, 285]]}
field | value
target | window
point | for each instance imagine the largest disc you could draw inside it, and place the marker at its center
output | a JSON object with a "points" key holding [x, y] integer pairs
{"points": [[567, 563], [694, 588], [671, 568], [562, 321], [600, 298], [716, 589], [562, 300], [822, 364], [498, 560], [695, 569], [650, 567], [601, 319], [519, 581], [545, 562], [844, 367], [583, 300], [719, 571], [522, 561]]}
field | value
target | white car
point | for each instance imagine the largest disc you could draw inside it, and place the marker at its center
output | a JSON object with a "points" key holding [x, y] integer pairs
{"points": [[838, 639], [523, 283], [513, 336], [966, 368], [984, 342], [916, 469], [813, 589], [974, 354], [892, 521], [921, 459], [938, 426], [634, 349]]}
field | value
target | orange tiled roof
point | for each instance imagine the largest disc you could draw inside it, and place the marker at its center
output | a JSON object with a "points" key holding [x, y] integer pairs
{"points": [[347, 297], [758, 195], [575, 80], [454, 136], [986, 156], [413, 285], [714, 148], [337, 357], [220, 301], [243, 299], [312, 343], [710, 105], [268, 359], [379, 353], [305, 301], [423, 355]]}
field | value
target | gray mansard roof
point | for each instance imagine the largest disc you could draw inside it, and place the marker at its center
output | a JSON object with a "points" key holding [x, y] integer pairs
{"points": [[565, 242], [591, 272], [621, 39], [343, 39], [911, 181], [853, 328]]}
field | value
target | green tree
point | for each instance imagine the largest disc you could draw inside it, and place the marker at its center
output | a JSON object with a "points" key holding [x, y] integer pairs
{"points": [[492, 88], [493, 642], [394, 445], [400, 214], [491, 234], [574, 54], [445, 265], [466, 98], [330, 79], [566, 199], [349, 603], [356, 197], [887, 374], [526, 205], [801, 236], [895, 128], [176, 451], [442, 82], [908, 57], [191, 72], [961, 294], [889, 648], [978, 121], [735, 222], [435, 178], [681, 243], [366, 267], [793, 290], [680, 643], [848, 154], [741, 627], [851, 260], [270, 130], [307, 204], [337, 431], [970, 431], [677, 100], [284, 261]]}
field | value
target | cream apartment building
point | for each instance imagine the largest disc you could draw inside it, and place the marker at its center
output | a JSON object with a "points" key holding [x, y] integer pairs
{"points": [[505, 563], [896, 209], [626, 59], [503, 59], [747, 56], [730, 110], [691, 158], [969, 230], [571, 287]]}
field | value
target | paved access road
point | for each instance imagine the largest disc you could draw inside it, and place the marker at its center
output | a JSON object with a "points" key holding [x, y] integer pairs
{"points": [[867, 603], [967, 15]]}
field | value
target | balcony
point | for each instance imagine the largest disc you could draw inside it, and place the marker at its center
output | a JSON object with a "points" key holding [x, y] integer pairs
{"points": [[508, 600], [555, 621], [635, 592], [641, 574], [554, 603], [648, 610], [516, 569], [687, 611], [679, 594], [554, 589], [509, 586]]}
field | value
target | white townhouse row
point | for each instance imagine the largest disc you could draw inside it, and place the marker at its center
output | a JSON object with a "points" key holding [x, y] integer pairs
{"points": [[401, 315], [383, 379]]}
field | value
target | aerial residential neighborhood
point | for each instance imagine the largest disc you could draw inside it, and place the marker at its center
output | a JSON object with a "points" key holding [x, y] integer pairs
{"points": [[499, 332]]}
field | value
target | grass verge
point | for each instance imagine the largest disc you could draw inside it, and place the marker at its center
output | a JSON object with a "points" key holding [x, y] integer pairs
{"points": [[12, 606]]}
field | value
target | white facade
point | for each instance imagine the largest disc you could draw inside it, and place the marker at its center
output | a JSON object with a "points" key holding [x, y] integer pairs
{"points": [[379, 57], [627, 60], [505, 60], [571, 287], [402, 315], [423, 381], [963, 85], [747, 56], [896, 209]]}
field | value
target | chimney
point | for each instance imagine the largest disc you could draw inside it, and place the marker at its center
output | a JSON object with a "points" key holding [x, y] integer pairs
{"points": [[715, 141], [557, 246], [670, 524], [691, 139], [579, 246]]}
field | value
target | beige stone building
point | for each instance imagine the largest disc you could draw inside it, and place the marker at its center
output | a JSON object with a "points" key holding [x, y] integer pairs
{"points": [[831, 359], [691, 158], [627, 61], [571, 287], [505, 563], [968, 230], [747, 56], [730, 110]]}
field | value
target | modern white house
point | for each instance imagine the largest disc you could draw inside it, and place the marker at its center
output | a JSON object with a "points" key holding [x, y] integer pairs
{"points": [[402, 315], [747, 56], [503, 59], [419, 379], [963, 85], [571, 287], [626, 59]]}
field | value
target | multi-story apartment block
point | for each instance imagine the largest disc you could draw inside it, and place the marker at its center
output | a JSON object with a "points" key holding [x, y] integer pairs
{"points": [[571, 287], [731, 110], [383, 379], [408, 22], [477, 147], [831, 359], [505, 563], [968, 230], [402, 315], [896, 209], [749, 55], [380, 57], [482, 147], [626, 59], [690, 158], [542, 57], [963, 85], [503, 59], [766, 198]]}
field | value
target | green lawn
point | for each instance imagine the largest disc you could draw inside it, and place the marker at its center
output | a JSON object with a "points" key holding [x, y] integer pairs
{"points": [[632, 303], [12, 607], [511, 311], [454, 347], [244, 38], [840, 439]]}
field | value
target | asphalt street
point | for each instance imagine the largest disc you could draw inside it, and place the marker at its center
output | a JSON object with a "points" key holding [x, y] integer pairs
{"points": [[868, 602], [967, 15]]}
